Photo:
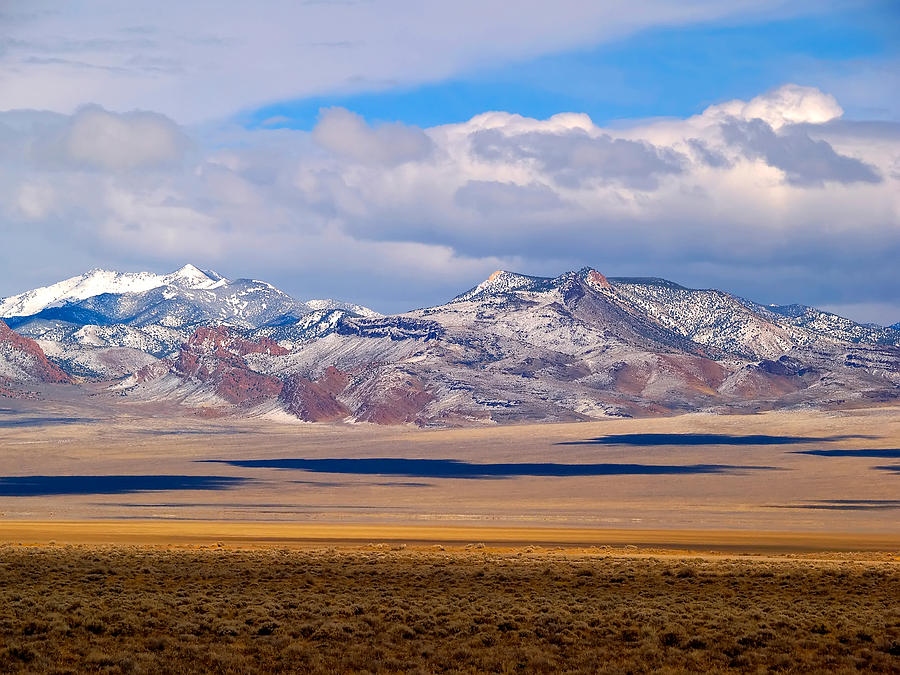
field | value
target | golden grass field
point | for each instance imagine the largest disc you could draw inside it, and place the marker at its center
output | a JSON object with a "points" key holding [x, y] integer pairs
{"points": [[390, 608], [147, 543]]}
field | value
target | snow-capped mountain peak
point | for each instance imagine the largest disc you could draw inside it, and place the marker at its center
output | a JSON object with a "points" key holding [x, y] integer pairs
{"points": [[190, 276], [100, 281], [499, 282]]}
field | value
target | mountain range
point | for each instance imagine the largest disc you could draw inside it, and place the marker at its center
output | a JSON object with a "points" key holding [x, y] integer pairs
{"points": [[514, 348]]}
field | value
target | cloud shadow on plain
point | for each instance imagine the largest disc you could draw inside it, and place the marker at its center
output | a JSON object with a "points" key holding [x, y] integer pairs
{"points": [[881, 453], [844, 505], [45, 486], [452, 468], [706, 439], [43, 421]]}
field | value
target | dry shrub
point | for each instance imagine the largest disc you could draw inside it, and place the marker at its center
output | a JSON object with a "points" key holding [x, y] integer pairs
{"points": [[232, 611]]}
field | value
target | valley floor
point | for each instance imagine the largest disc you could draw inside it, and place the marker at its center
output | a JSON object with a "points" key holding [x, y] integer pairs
{"points": [[825, 473]]}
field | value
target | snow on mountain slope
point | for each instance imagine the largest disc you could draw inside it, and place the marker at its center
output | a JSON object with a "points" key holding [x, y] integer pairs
{"points": [[243, 302], [97, 362], [831, 325], [500, 281], [155, 340], [97, 282], [293, 333], [514, 348], [329, 304], [156, 313], [713, 318]]}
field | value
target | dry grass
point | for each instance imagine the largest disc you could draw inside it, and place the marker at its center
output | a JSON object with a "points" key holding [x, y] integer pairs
{"points": [[150, 610]]}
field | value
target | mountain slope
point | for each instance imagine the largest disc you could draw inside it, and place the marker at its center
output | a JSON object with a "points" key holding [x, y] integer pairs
{"points": [[136, 315], [578, 346], [23, 361], [514, 348], [98, 282]]}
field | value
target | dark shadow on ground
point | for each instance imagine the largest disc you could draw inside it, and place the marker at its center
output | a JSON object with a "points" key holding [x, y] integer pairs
{"points": [[705, 439], [273, 508], [43, 421], [360, 484], [844, 505], [452, 468], [43, 486], [881, 453], [895, 468]]}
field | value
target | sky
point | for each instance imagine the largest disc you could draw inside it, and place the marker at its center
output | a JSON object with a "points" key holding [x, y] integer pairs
{"points": [[395, 153]]}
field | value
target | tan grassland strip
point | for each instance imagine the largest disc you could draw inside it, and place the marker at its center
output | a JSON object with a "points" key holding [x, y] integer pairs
{"points": [[252, 534]]}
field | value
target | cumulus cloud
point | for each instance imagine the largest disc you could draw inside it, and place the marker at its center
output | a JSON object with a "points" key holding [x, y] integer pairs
{"points": [[804, 161], [788, 104], [347, 134], [576, 157], [95, 139], [793, 205], [101, 139]]}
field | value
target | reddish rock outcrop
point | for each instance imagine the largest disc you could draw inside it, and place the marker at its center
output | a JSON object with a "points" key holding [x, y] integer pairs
{"points": [[398, 401], [333, 380], [245, 387], [594, 277], [315, 401], [215, 355], [225, 348], [26, 355]]}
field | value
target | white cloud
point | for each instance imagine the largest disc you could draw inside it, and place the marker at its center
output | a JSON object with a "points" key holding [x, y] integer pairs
{"points": [[35, 200], [346, 133], [97, 138], [196, 61], [789, 104], [803, 210]]}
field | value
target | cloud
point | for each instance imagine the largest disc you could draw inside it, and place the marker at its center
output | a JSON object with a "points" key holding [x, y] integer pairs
{"points": [[495, 197], [805, 161], [397, 216], [347, 134], [193, 65], [98, 139], [788, 104], [574, 158], [704, 154]]}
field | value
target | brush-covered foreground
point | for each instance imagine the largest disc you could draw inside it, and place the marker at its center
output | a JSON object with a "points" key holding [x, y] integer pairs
{"points": [[151, 610]]}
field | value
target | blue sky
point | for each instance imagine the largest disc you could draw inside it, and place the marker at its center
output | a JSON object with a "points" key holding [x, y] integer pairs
{"points": [[670, 71]]}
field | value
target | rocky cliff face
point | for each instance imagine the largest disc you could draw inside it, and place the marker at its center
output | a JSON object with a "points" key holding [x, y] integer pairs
{"points": [[23, 361]]}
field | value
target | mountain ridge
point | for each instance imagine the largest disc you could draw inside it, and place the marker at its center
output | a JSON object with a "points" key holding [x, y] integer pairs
{"points": [[513, 348]]}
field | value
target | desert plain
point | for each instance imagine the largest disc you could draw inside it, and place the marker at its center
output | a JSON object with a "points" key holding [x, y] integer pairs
{"points": [[139, 539], [821, 474]]}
